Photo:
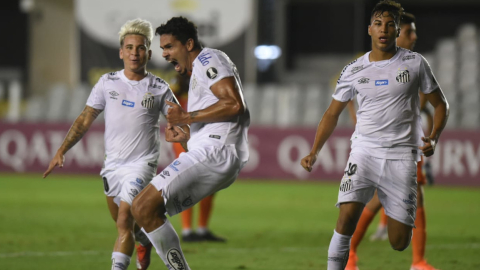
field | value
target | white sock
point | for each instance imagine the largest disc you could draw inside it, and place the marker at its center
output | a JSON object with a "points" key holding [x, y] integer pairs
{"points": [[186, 231], [166, 242], [120, 261], [338, 251], [141, 238], [202, 230]]}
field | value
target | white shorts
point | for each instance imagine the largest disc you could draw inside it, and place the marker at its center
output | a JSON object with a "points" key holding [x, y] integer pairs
{"points": [[195, 175], [126, 182], [394, 179]]}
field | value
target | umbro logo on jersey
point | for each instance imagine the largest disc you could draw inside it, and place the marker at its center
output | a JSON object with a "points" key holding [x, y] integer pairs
{"points": [[187, 202], [403, 76], [133, 192], [212, 73], [128, 103], [363, 81], [113, 94], [381, 82]]}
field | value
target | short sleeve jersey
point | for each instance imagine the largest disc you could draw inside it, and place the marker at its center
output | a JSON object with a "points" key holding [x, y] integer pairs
{"points": [[388, 117], [131, 111], [210, 67]]}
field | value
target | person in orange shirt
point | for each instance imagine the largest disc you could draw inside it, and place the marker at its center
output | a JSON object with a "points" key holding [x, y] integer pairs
{"points": [[407, 40], [180, 89]]}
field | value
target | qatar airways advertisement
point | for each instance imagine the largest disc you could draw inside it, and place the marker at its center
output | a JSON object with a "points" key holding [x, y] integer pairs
{"points": [[275, 153]]}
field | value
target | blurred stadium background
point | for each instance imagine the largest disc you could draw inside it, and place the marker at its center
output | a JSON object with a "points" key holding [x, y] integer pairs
{"points": [[289, 54]]}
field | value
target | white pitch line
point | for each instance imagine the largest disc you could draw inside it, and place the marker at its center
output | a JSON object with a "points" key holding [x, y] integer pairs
{"points": [[216, 250], [50, 254]]}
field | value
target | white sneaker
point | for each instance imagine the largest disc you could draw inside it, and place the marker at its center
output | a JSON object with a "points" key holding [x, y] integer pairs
{"points": [[380, 235]]}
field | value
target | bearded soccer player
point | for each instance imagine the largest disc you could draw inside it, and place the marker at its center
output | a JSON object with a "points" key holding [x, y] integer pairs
{"points": [[388, 138], [132, 99], [218, 145], [407, 40]]}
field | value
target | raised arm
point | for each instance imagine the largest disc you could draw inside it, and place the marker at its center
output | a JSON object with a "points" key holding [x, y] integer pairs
{"points": [[76, 132], [324, 130], [440, 117], [229, 105]]}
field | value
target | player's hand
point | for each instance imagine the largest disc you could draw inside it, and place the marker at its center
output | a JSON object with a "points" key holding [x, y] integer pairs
{"points": [[429, 147], [308, 161], [57, 160], [176, 115], [175, 134]]}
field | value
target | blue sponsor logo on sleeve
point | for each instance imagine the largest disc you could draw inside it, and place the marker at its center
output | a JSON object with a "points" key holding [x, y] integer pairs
{"points": [[204, 58], [128, 103], [381, 82]]}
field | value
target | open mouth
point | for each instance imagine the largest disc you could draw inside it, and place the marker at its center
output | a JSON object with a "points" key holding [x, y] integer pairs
{"points": [[383, 39], [175, 64]]}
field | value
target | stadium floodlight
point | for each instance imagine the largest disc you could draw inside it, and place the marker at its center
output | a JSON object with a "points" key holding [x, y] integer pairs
{"points": [[267, 52]]}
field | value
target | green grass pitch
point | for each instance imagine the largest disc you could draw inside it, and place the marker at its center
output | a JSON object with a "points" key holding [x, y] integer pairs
{"points": [[62, 222]]}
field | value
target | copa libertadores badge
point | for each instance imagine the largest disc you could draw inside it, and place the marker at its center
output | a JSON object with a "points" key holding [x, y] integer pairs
{"points": [[212, 73], [148, 100]]}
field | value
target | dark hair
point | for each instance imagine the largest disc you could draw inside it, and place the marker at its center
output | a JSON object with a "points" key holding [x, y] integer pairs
{"points": [[393, 8], [182, 29], [407, 18]]}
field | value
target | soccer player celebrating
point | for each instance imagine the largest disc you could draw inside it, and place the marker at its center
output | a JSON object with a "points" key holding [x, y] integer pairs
{"points": [[132, 100], [406, 40], [202, 233], [388, 133], [218, 147]]}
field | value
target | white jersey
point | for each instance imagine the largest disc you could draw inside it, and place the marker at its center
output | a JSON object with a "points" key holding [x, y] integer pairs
{"points": [[388, 117], [132, 110], [209, 67]]}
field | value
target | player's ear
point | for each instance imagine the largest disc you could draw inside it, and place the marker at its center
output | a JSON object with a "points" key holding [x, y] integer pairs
{"points": [[398, 31], [369, 31], [149, 54], [190, 44], [120, 53]]}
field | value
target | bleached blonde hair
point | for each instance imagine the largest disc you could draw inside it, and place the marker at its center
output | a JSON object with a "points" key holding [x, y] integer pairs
{"points": [[136, 27]]}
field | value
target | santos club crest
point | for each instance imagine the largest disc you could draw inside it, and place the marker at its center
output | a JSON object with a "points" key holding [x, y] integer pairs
{"points": [[403, 76], [148, 100]]}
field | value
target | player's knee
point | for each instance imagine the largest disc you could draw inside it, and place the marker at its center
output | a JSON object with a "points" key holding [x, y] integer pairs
{"points": [[401, 243], [346, 223], [139, 210], [125, 222]]}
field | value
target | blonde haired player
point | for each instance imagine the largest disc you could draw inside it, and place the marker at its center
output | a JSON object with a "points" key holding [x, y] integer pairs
{"points": [[132, 100]]}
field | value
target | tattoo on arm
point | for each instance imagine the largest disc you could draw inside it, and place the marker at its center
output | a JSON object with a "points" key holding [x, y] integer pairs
{"points": [[193, 115], [80, 127]]}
